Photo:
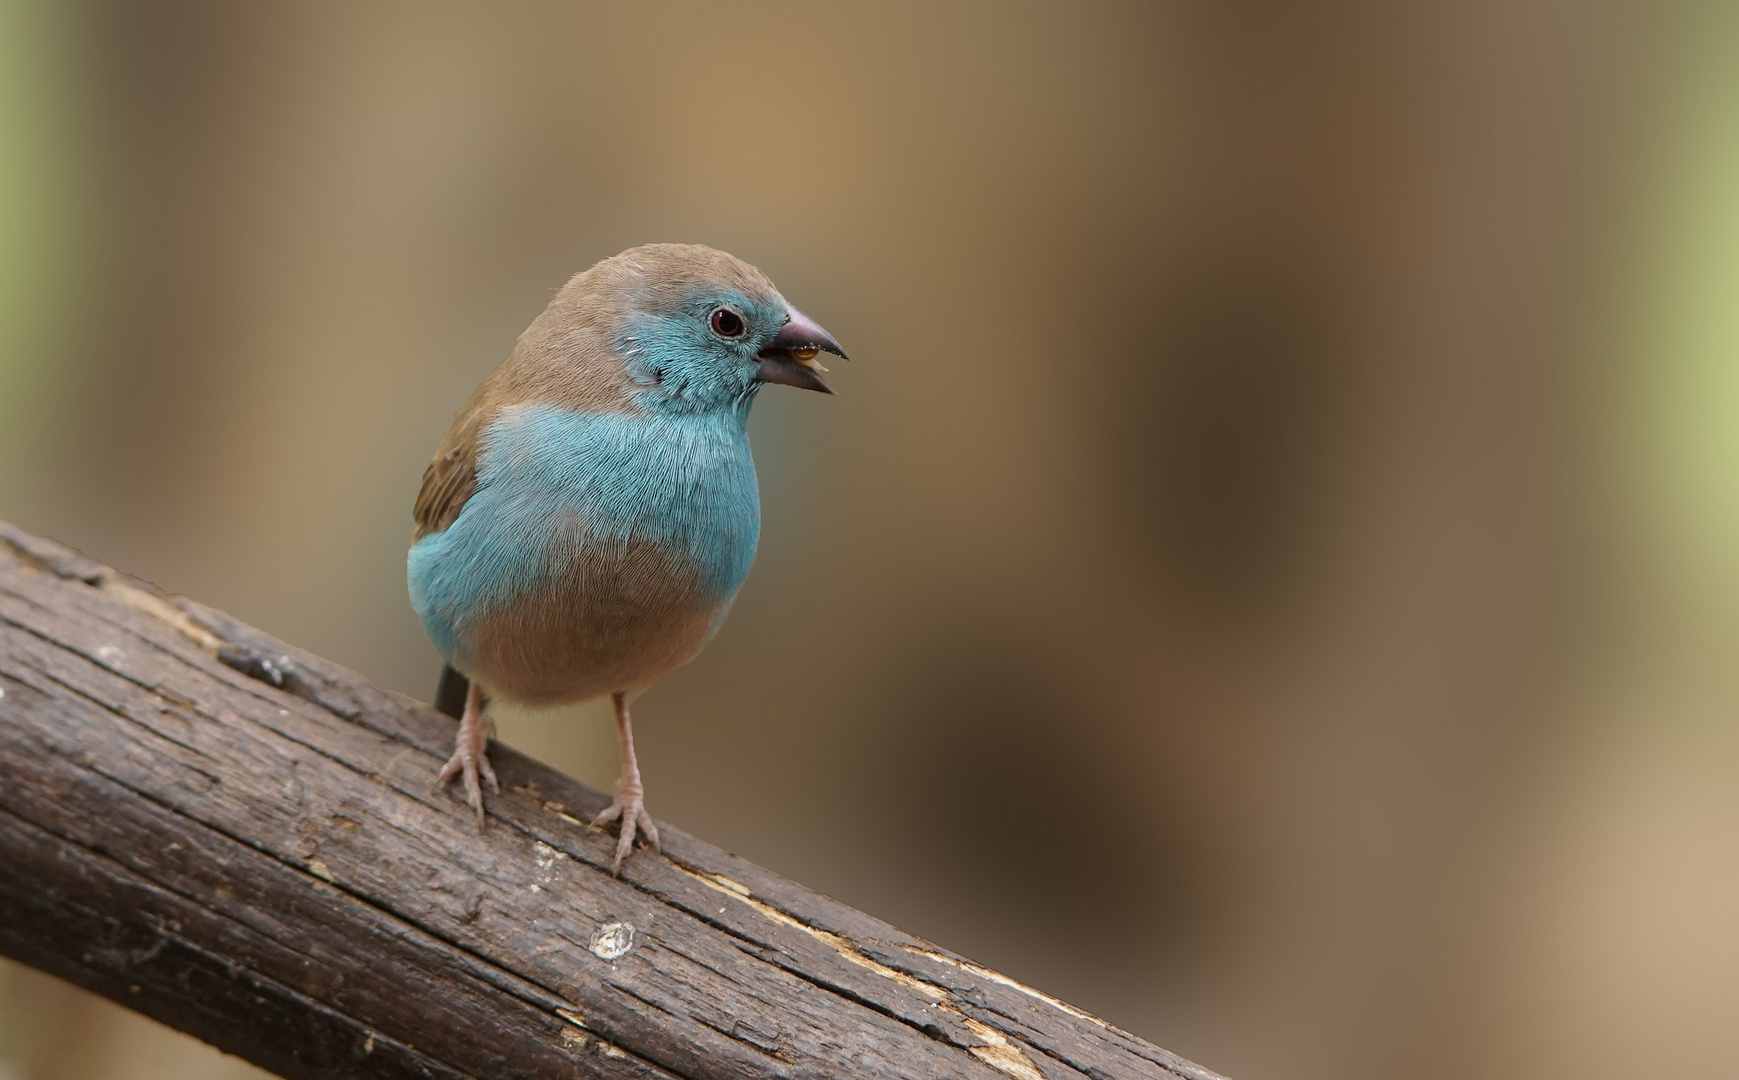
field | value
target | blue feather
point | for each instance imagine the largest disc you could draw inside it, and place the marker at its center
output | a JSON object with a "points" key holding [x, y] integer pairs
{"points": [[683, 480]]}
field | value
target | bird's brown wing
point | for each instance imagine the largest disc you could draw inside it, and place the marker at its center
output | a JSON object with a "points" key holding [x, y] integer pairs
{"points": [[447, 483], [451, 478], [561, 359]]}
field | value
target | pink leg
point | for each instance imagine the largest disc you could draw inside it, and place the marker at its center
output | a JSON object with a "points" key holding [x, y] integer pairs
{"points": [[471, 754], [630, 805]]}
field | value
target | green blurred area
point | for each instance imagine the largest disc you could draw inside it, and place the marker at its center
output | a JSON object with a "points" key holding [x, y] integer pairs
{"points": [[1270, 576], [1681, 379], [47, 207]]}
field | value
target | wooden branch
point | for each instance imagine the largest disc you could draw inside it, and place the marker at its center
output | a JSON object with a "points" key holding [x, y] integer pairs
{"points": [[238, 839]]}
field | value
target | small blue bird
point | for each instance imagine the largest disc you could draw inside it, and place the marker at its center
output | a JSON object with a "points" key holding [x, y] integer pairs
{"points": [[592, 511]]}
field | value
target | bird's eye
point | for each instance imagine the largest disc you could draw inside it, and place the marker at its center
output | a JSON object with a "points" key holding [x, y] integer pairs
{"points": [[727, 323]]}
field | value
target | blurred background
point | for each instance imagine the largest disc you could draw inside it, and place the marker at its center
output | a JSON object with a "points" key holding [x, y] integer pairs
{"points": [[1270, 576]]}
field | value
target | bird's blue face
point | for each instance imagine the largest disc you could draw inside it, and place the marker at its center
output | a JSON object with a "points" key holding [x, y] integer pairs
{"points": [[715, 348], [700, 354]]}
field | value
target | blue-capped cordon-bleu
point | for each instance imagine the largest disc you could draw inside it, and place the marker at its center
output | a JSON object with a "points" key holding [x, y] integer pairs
{"points": [[590, 515]]}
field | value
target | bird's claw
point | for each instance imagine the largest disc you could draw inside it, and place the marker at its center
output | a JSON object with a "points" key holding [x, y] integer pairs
{"points": [[629, 808], [470, 761]]}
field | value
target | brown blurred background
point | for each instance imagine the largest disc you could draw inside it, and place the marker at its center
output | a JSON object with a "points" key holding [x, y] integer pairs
{"points": [[1270, 576]]}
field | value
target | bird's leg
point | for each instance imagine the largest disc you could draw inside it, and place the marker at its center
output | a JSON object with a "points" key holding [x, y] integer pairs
{"points": [[629, 807], [471, 754]]}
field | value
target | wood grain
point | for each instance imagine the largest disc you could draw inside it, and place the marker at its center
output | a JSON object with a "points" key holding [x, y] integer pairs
{"points": [[238, 839]]}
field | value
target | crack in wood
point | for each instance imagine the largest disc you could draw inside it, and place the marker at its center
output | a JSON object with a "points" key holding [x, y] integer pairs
{"points": [[998, 977]]}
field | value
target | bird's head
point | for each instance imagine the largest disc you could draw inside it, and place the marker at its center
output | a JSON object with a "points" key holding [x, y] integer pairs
{"points": [[697, 329]]}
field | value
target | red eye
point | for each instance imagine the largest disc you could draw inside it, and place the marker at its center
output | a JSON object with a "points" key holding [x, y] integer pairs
{"points": [[727, 323]]}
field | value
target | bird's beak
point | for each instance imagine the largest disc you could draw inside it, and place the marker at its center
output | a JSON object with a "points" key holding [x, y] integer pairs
{"points": [[790, 358]]}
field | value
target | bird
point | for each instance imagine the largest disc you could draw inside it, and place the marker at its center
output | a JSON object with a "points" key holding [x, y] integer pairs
{"points": [[590, 515]]}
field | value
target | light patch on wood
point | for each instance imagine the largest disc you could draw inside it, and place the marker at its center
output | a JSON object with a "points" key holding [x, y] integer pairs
{"points": [[612, 941], [610, 1051], [719, 880], [159, 608], [560, 810], [572, 1017], [839, 944], [1000, 1054], [573, 1039], [547, 858], [1001, 979], [317, 866]]}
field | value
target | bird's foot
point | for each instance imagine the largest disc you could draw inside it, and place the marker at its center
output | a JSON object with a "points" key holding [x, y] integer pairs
{"points": [[629, 808], [470, 758]]}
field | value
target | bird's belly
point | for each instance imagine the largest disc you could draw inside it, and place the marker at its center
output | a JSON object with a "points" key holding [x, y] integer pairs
{"points": [[600, 622]]}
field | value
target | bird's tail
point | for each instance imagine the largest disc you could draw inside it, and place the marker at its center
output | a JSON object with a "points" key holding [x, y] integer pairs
{"points": [[450, 692]]}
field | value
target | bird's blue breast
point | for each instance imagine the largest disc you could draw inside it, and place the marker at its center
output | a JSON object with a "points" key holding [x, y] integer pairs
{"points": [[556, 488]]}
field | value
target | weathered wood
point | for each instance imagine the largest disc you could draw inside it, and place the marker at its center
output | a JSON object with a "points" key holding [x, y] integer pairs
{"points": [[239, 839]]}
